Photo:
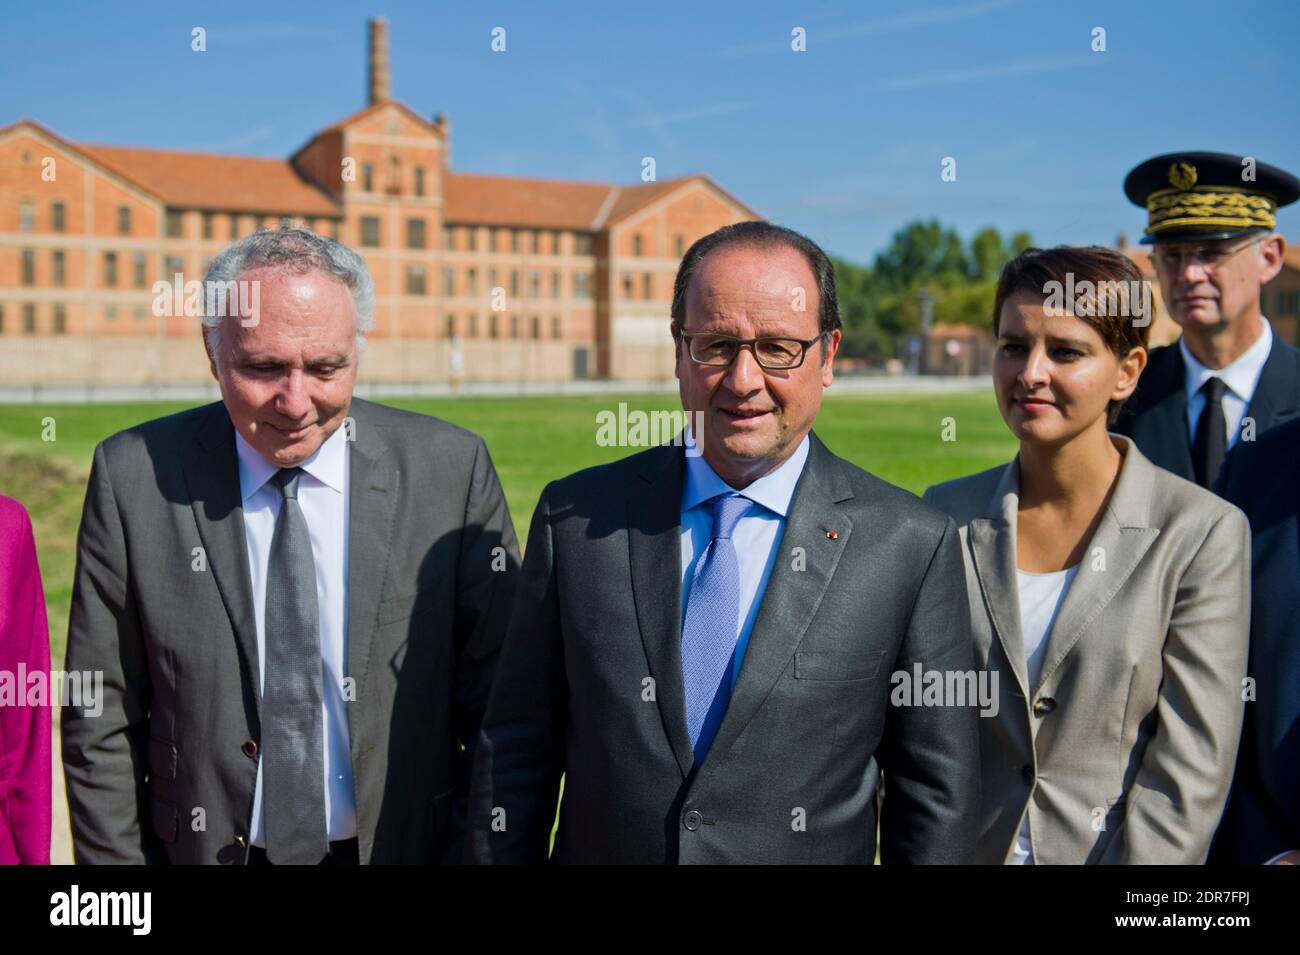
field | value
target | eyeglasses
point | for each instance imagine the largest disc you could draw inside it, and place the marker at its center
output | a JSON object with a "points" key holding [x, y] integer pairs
{"points": [[1209, 257], [719, 351]]}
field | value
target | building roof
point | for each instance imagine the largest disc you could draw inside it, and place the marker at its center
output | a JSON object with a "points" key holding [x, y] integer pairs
{"points": [[212, 181], [554, 203]]}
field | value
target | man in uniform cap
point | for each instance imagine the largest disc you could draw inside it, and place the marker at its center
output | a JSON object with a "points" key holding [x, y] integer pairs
{"points": [[1229, 377]]}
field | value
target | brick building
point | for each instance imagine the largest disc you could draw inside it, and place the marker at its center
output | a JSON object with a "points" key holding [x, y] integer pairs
{"points": [[583, 271]]}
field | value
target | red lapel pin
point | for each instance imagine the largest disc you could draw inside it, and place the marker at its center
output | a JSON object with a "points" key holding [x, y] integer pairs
{"points": [[833, 535]]}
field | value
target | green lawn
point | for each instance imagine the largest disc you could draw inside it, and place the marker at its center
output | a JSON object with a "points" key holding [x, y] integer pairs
{"points": [[532, 439]]}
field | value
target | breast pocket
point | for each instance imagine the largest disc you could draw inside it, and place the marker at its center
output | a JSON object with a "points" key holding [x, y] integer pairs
{"points": [[830, 666]]}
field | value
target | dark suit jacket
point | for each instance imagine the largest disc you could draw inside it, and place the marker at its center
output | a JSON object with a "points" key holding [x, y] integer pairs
{"points": [[590, 685], [1263, 814], [1155, 417], [178, 645]]}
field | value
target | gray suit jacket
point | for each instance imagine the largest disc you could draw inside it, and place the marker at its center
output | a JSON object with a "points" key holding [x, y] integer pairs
{"points": [[590, 685], [1123, 750], [178, 646]]}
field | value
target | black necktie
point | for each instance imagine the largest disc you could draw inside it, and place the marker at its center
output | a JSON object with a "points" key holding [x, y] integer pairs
{"points": [[1211, 434], [293, 734]]}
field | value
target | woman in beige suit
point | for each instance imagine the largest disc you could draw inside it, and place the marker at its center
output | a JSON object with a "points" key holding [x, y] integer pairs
{"points": [[1109, 597]]}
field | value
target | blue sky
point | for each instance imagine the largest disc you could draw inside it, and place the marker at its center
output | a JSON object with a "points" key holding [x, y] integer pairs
{"points": [[843, 141]]}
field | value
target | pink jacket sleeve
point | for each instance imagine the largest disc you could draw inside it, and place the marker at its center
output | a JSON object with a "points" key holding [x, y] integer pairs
{"points": [[25, 768]]}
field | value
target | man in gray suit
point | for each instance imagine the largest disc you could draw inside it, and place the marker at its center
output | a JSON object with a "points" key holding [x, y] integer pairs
{"points": [[296, 598], [703, 645]]}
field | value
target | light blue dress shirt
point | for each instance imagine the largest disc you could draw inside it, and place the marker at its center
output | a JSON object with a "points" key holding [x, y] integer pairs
{"points": [[757, 537]]}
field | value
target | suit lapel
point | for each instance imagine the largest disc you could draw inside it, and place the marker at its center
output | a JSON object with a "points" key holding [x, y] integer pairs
{"points": [[792, 596], [1116, 548], [654, 550], [1162, 430], [212, 476], [1275, 399], [373, 484], [993, 544]]}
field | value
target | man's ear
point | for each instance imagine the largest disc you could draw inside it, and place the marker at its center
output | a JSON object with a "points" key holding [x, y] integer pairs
{"points": [[212, 360], [1271, 250]]}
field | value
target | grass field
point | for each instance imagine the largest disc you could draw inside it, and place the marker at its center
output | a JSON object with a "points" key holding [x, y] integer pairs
{"points": [[533, 440]]}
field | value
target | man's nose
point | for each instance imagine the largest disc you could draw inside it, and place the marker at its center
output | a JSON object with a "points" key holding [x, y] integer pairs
{"points": [[745, 375], [293, 401]]}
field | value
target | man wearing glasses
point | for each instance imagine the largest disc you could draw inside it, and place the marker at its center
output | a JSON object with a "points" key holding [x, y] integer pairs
{"points": [[1230, 377], [704, 645]]}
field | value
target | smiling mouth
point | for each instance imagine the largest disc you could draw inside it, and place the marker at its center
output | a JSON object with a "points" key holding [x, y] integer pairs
{"points": [[292, 432], [742, 415]]}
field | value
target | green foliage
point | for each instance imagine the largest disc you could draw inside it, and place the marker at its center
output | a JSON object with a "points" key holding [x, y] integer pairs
{"points": [[879, 305]]}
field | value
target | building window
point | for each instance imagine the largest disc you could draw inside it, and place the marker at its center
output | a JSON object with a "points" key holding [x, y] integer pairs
{"points": [[514, 326], [29, 267], [471, 281], [370, 231], [415, 234], [58, 216], [394, 184], [514, 240], [57, 261], [451, 326], [627, 285], [534, 284], [110, 269], [334, 229], [123, 220], [471, 330], [448, 238], [492, 281], [492, 326], [208, 229], [139, 266], [27, 217], [60, 320], [367, 177], [29, 319], [536, 328], [555, 285], [449, 282], [555, 327], [416, 283], [582, 285], [234, 226], [174, 229], [679, 246], [471, 238], [637, 246], [582, 244], [514, 283], [2, 319], [647, 286], [419, 181], [110, 313], [138, 313], [173, 265]]}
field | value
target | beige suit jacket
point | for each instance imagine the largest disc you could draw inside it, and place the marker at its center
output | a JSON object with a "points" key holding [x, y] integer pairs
{"points": [[1123, 750]]}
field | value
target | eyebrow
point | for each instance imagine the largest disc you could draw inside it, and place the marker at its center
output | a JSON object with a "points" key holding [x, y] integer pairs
{"points": [[1055, 340], [336, 360]]}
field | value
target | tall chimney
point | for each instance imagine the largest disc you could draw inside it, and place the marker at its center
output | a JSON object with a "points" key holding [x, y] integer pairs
{"points": [[380, 82]]}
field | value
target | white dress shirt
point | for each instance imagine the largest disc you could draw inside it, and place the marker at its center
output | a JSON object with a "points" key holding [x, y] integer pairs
{"points": [[1041, 596], [323, 498], [1241, 378], [756, 537]]}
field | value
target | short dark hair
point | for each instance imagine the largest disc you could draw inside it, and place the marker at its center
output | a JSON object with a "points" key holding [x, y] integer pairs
{"points": [[1069, 266], [761, 234]]}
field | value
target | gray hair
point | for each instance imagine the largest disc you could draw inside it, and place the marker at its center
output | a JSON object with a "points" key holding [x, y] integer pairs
{"points": [[297, 250]]}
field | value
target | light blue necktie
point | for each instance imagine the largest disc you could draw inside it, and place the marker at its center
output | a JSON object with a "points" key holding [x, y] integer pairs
{"points": [[709, 631]]}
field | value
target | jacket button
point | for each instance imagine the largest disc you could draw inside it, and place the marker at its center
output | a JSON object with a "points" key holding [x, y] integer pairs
{"points": [[1044, 705], [692, 819], [249, 748], [241, 842], [1027, 774]]}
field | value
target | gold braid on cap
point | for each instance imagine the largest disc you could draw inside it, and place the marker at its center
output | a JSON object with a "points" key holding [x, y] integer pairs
{"points": [[1209, 206]]}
